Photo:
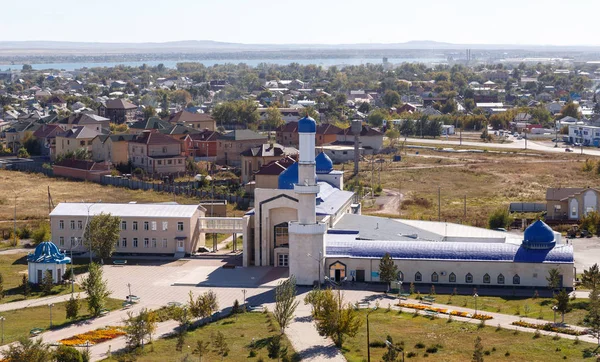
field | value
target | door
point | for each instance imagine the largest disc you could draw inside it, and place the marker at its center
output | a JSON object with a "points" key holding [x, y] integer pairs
{"points": [[338, 275], [180, 245], [360, 275]]}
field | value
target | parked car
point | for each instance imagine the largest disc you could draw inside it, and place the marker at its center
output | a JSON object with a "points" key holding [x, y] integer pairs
{"points": [[568, 150]]}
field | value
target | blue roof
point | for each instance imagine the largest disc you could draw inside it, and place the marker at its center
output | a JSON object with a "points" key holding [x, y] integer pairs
{"points": [[288, 178], [47, 252], [539, 232], [307, 125], [323, 163], [468, 251]]}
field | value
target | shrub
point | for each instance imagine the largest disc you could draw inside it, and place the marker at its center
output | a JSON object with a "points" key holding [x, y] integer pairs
{"points": [[377, 344], [487, 353], [252, 354], [411, 354], [537, 334], [500, 218], [420, 345], [24, 232], [507, 354], [433, 349]]}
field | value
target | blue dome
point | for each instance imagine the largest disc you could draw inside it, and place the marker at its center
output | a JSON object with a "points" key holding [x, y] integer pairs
{"points": [[323, 163], [539, 236], [307, 125], [288, 178], [47, 252]]}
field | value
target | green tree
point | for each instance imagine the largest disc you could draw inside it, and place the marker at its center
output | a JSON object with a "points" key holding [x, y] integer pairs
{"points": [[42, 233], [391, 98], [27, 350], [72, 308], [25, 287], [377, 116], [201, 349], [562, 303], [47, 282], [478, 352], [139, 327], [333, 318], [96, 288], [364, 107], [204, 306], [67, 354], [592, 319], [273, 119], [407, 128], [571, 109], [392, 134], [591, 277], [500, 218], [391, 354], [285, 302], [22, 153], [27, 68], [149, 112], [434, 128], [388, 271], [275, 349], [220, 344], [553, 279], [30, 143], [102, 232]]}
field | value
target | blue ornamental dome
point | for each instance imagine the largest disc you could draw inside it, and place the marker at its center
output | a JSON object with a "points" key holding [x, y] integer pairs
{"points": [[323, 163], [47, 252], [539, 236], [288, 178], [307, 125]]}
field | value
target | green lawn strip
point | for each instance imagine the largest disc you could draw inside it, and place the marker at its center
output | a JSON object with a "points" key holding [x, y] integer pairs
{"points": [[455, 341], [20, 322], [239, 335], [14, 266]]}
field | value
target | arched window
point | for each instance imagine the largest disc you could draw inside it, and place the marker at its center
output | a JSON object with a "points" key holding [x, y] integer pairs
{"points": [[434, 277], [500, 279], [469, 278], [516, 279], [400, 276], [281, 234], [486, 278], [418, 277], [452, 278]]}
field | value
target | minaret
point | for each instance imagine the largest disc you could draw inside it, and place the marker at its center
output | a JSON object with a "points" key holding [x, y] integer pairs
{"points": [[306, 236]]}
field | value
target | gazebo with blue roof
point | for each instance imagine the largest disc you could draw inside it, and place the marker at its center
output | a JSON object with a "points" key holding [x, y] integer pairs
{"points": [[46, 257]]}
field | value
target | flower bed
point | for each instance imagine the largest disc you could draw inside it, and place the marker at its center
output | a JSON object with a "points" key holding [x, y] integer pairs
{"points": [[446, 311], [94, 337], [549, 327]]}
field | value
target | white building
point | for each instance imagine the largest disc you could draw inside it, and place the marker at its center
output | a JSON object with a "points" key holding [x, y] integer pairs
{"points": [[46, 258], [586, 135], [315, 229]]}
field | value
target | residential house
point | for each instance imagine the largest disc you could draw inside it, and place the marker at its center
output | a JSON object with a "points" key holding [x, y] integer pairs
{"points": [[370, 139], [203, 144], [57, 101], [586, 135], [90, 120], [86, 170], [156, 153], [231, 144], [146, 229], [118, 111], [113, 148], [46, 137], [287, 114], [523, 117], [197, 121], [571, 203], [74, 139], [268, 175], [153, 123], [255, 157], [287, 134]]}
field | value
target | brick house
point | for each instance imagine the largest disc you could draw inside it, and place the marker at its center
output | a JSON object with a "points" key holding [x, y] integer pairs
{"points": [[74, 139], [118, 111], [203, 144], [231, 144], [268, 175], [157, 153], [197, 121], [287, 134], [113, 148], [255, 157]]}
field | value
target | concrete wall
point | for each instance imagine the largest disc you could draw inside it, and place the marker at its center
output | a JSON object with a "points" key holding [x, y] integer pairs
{"points": [[267, 181]]}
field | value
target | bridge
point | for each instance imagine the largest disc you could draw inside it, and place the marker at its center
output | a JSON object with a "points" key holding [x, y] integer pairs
{"points": [[222, 225]]}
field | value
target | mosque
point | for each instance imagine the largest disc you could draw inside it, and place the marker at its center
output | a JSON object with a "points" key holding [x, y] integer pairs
{"points": [[310, 225]]}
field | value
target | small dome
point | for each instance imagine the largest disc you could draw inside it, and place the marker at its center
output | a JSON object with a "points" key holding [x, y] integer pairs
{"points": [[539, 236], [307, 125], [47, 252], [288, 178], [323, 163]]}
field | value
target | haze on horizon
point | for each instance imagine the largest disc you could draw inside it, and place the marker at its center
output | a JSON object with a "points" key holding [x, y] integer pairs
{"points": [[519, 22]]}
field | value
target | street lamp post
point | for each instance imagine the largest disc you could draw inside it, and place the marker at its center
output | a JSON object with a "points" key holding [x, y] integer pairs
{"points": [[87, 225], [50, 306], [129, 287], [72, 269], [319, 261], [475, 296], [554, 309], [2, 321], [368, 335], [391, 345], [244, 291]]}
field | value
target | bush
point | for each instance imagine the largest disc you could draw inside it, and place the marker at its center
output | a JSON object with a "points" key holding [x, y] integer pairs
{"points": [[377, 344], [537, 334], [500, 218], [42, 233], [507, 354], [433, 349], [411, 354], [420, 345], [24, 232]]}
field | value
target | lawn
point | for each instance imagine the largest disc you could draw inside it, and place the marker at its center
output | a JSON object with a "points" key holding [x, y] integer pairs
{"points": [[239, 333], [14, 266], [455, 341], [19, 322]]}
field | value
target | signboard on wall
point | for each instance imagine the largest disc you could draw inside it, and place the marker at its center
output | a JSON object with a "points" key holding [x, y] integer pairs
{"points": [[374, 274]]}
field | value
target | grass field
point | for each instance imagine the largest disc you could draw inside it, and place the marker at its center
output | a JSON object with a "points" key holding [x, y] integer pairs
{"points": [[455, 341], [19, 322], [239, 333], [488, 180], [14, 266]]}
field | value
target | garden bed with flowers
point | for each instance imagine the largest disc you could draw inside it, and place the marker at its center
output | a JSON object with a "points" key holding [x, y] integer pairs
{"points": [[549, 327], [478, 316], [94, 337]]}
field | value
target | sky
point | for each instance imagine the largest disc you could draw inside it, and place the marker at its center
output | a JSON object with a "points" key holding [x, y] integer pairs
{"points": [[532, 22]]}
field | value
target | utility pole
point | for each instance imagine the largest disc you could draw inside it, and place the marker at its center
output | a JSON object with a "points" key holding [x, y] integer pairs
{"points": [[372, 171], [439, 203], [460, 136], [399, 197], [465, 211], [15, 222]]}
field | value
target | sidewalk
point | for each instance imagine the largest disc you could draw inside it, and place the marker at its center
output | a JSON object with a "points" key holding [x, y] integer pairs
{"points": [[27, 303]]}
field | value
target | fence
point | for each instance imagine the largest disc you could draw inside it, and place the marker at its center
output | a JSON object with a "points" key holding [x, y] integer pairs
{"points": [[35, 167]]}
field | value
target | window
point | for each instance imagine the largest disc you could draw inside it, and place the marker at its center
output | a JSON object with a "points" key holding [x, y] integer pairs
{"points": [[164, 243], [124, 242], [79, 241], [164, 150], [434, 277], [500, 279], [153, 225], [469, 278], [169, 162], [160, 162], [281, 234], [400, 276], [574, 211], [61, 224], [61, 241], [146, 225], [72, 241], [179, 226], [79, 224], [123, 225], [135, 225], [418, 277], [135, 242], [179, 161], [516, 279], [452, 278], [154, 242], [283, 260], [146, 242], [72, 224], [165, 225], [486, 278]]}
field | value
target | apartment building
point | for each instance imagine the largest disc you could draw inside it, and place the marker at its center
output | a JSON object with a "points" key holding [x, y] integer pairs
{"points": [[148, 229]]}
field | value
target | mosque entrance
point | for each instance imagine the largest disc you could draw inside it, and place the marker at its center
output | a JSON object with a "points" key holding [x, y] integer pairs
{"points": [[337, 271]]}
